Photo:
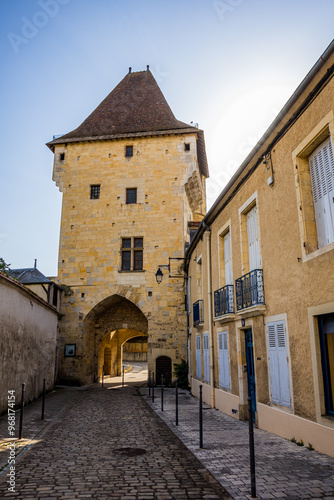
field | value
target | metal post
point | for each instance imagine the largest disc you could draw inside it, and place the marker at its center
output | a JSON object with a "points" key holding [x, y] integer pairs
{"points": [[162, 393], [123, 376], [102, 376], [200, 418], [43, 399], [177, 401], [149, 384], [21, 412], [153, 387], [251, 448]]}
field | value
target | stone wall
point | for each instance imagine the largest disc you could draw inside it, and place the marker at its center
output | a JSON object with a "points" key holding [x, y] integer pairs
{"points": [[28, 342]]}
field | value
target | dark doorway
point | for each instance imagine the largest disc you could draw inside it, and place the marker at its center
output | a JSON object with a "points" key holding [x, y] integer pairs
{"points": [[326, 332], [163, 367], [250, 369]]}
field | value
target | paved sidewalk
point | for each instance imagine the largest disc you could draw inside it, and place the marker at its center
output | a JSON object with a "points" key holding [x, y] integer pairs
{"points": [[107, 443], [283, 469]]}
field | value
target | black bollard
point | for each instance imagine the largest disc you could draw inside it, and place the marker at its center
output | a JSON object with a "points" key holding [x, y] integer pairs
{"points": [[200, 418], [123, 376], [153, 387], [43, 399], [149, 384], [162, 393], [21, 412], [177, 401], [251, 448]]}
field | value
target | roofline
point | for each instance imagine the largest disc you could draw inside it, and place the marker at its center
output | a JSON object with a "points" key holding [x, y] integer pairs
{"points": [[189, 130], [219, 205]]}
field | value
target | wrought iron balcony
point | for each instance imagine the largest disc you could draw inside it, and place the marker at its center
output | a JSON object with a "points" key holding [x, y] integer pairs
{"points": [[249, 290], [224, 303], [198, 312]]}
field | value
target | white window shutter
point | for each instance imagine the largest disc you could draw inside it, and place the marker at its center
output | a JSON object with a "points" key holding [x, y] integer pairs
{"points": [[279, 370], [253, 240], [224, 366], [227, 257], [206, 357], [198, 357], [321, 164]]}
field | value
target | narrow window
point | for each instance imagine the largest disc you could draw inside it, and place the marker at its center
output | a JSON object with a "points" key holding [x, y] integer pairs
{"points": [[128, 151], [224, 367], [132, 254], [94, 191], [198, 358], [206, 357], [187, 147], [253, 240], [321, 164], [61, 156], [278, 360], [131, 196]]}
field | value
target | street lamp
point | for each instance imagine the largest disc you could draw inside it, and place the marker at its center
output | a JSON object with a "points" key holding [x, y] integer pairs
{"points": [[159, 275]]}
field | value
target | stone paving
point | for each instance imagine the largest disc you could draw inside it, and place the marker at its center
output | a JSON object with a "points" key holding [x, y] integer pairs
{"points": [[283, 469], [105, 443]]}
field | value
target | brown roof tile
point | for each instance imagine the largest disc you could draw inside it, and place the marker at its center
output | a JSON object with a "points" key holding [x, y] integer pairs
{"points": [[135, 107]]}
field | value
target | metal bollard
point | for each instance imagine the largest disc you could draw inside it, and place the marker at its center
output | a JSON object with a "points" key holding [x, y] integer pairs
{"points": [[43, 399], [21, 412], [162, 393], [200, 417], [177, 401], [123, 376], [251, 448], [149, 384], [153, 387]]}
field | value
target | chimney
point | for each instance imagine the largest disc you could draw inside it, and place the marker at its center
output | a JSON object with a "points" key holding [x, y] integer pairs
{"points": [[35, 265]]}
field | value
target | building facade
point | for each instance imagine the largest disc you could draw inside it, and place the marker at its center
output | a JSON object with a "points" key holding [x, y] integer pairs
{"points": [[261, 276], [132, 176]]}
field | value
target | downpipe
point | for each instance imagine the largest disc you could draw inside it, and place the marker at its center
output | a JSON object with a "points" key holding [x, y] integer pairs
{"points": [[211, 354]]}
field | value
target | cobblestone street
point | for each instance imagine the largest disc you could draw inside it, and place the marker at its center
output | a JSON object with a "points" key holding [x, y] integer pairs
{"points": [[106, 443]]}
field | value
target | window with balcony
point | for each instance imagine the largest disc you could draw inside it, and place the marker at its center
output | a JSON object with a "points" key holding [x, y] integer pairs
{"points": [[223, 297], [132, 254]]}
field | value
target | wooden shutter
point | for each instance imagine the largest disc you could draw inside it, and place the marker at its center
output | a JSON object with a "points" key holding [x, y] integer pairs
{"points": [[224, 366], [198, 357], [321, 164], [279, 370], [206, 358], [253, 240], [227, 258]]}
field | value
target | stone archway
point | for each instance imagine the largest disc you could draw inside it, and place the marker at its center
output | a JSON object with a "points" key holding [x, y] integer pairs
{"points": [[109, 325]]}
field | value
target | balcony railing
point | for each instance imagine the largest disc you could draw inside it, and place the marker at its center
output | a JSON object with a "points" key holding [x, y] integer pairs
{"points": [[198, 312], [224, 303], [249, 290]]}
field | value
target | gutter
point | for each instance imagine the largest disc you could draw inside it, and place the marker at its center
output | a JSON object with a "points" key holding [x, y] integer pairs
{"points": [[219, 205]]}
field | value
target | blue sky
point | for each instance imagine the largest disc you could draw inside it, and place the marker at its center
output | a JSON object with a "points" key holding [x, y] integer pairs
{"points": [[228, 65]]}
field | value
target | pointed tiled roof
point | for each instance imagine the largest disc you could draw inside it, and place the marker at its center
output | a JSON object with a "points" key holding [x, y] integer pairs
{"points": [[28, 276], [135, 107]]}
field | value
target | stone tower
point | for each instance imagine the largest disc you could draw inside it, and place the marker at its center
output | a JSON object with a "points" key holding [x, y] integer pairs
{"points": [[132, 177]]}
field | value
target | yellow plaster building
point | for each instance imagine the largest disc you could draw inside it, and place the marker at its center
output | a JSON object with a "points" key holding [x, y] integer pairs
{"points": [[261, 270], [132, 176]]}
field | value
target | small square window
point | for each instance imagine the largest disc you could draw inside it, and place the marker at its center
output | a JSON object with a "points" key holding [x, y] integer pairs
{"points": [[131, 196], [128, 151], [95, 191], [61, 156], [187, 147]]}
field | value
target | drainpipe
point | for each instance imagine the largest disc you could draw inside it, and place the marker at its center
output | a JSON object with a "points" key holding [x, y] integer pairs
{"points": [[211, 354]]}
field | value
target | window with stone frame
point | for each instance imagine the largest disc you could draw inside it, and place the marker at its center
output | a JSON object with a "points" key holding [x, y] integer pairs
{"points": [[131, 196], [95, 191], [132, 254]]}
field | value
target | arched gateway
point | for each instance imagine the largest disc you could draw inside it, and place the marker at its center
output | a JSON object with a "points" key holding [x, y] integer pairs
{"points": [[107, 327]]}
